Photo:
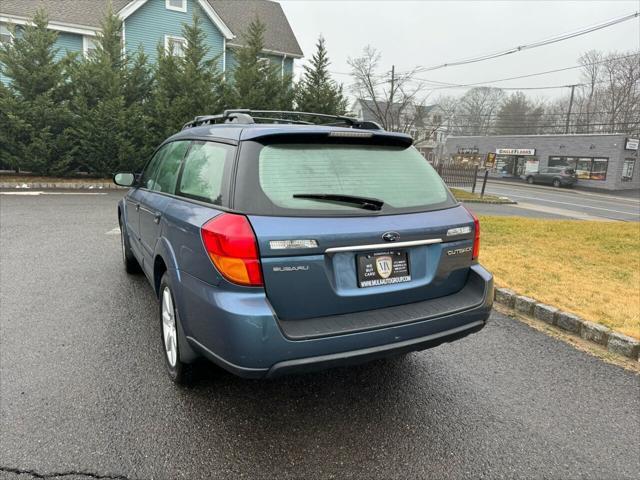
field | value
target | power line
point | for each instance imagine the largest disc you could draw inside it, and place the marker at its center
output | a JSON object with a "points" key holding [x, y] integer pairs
{"points": [[446, 85], [553, 114], [540, 43], [529, 74], [552, 125]]}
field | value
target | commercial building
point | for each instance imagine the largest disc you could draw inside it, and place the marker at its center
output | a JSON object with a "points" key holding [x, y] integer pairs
{"points": [[606, 161]]}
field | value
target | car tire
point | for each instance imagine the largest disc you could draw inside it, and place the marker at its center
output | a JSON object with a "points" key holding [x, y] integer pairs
{"points": [[131, 265], [530, 180], [179, 372], [556, 183]]}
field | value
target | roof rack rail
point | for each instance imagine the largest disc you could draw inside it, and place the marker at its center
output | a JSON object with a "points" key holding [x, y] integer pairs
{"points": [[246, 116]]}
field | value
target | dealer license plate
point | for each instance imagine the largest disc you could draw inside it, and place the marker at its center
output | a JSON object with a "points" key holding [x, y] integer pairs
{"points": [[383, 268]]}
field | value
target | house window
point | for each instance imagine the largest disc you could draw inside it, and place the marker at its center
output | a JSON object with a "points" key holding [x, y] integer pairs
{"points": [[88, 46], [5, 34], [627, 169], [437, 119], [177, 5], [175, 45]]}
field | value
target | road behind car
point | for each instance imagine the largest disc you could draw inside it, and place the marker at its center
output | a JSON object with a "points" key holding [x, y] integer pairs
{"points": [[81, 391], [549, 202]]}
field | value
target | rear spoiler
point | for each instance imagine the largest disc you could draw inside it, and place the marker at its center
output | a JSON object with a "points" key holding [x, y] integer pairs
{"points": [[304, 134]]}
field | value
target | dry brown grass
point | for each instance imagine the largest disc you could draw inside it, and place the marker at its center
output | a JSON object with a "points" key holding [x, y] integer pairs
{"points": [[462, 195], [591, 269]]}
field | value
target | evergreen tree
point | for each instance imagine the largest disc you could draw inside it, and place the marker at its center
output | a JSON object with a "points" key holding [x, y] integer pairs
{"points": [[33, 105], [12, 130], [188, 85], [317, 91], [30, 60], [257, 82], [109, 102]]}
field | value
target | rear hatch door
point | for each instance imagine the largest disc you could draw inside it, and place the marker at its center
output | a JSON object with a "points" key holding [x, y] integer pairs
{"points": [[409, 242], [316, 267]]}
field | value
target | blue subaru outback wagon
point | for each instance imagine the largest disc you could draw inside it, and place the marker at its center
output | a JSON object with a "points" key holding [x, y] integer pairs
{"points": [[277, 243]]}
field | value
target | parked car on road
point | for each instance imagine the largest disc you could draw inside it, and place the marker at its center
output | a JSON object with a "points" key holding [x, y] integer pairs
{"points": [[556, 176], [288, 246]]}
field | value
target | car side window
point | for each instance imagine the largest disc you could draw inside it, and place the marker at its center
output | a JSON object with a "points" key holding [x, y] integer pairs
{"points": [[147, 180], [204, 172], [165, 180]]}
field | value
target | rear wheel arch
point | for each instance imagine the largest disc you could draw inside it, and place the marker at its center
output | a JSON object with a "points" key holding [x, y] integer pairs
{"points": [[159, 269]]}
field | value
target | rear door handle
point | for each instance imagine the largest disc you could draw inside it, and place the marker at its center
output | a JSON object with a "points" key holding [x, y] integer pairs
{"points": [[137, 207], [156, 217]]}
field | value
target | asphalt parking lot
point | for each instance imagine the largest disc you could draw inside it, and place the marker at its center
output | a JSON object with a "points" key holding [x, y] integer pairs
{"points": [[83, 392]]}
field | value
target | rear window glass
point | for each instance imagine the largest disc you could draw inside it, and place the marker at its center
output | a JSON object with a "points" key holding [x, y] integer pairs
{"points": [[401, 178]]}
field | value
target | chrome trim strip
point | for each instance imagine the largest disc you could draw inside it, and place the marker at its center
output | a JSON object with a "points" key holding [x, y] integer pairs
{"points": [[385, 246]]}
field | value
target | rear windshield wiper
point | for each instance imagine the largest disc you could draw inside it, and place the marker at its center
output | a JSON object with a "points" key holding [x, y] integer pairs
{"points": [[362, 202]]}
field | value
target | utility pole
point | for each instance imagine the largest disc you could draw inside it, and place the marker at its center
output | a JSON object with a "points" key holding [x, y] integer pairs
{"points": [[566, 125], [389, 110]]}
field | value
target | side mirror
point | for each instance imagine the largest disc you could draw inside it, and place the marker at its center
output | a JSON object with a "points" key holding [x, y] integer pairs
{"points": [[124, 179]]}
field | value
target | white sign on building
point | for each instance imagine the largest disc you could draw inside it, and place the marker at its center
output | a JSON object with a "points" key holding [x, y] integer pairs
{"points": [[516, 151], [631, 144]]}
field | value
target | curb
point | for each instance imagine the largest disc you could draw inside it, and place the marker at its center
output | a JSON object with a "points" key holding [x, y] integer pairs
{"points": [[491, 202], [614, 342], [61, 186]]}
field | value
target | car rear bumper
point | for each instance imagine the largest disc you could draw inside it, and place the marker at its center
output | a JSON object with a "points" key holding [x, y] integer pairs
{"points": [[352, 357], [239, 331]]}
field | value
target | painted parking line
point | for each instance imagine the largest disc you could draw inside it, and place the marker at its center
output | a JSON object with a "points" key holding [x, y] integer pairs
{"points": [[30, 193], [115, 231]]}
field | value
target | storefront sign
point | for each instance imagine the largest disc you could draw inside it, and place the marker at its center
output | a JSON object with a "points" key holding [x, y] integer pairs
{"points": [[631, 144], [468, 150], [516, 151]]}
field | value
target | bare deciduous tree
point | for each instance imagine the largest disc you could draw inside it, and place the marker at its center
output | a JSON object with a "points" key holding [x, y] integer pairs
{"points": [[392, 98], [476, 111], [609, 99]]}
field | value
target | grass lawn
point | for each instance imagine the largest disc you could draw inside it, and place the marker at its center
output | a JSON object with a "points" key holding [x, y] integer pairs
{"points": [[462, 195], [591, 269]]}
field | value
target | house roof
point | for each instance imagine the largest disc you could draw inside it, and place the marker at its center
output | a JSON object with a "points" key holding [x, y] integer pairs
{"points": [[87, 13], [235, 14], [238, 14], [369, 110]]}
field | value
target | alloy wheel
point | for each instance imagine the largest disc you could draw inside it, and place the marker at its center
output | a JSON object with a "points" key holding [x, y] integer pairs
{"points": [[124, 252], [169, 335]]}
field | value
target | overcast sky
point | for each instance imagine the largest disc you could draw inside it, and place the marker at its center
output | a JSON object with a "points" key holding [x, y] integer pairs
{"points": [[411, 33]]}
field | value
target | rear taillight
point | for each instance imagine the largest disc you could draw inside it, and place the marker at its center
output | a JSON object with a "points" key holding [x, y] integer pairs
{"points": [[231, 244], [476, 235]]}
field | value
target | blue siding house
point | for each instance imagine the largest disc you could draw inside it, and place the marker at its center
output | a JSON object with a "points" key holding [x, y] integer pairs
{"points": [[149, 23]]}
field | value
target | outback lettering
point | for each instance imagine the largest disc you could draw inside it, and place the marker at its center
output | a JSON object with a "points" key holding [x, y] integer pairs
{"points": [[459, 251]]}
